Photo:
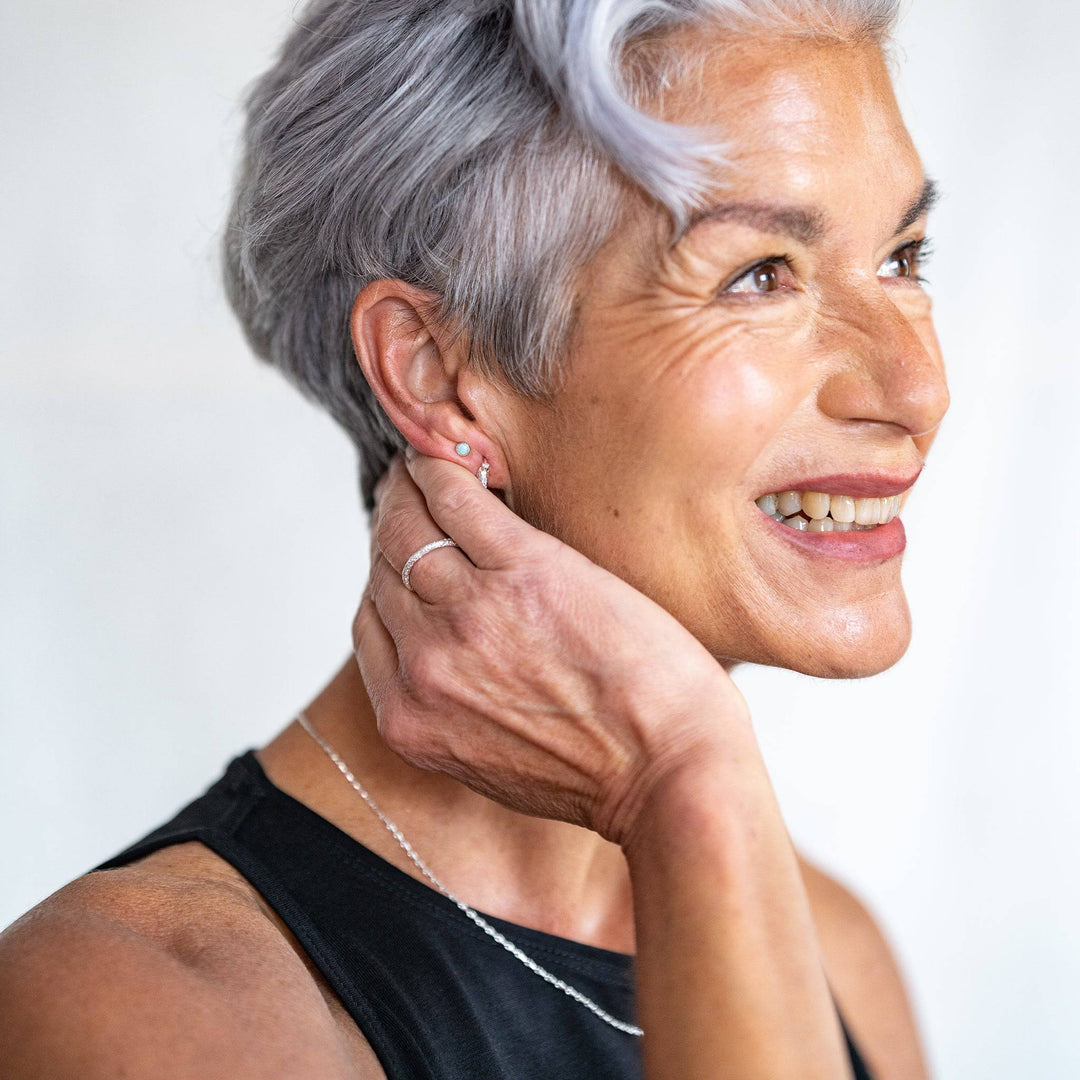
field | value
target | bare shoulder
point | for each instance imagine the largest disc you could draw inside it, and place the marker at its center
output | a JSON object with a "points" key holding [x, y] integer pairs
{"points": [[170, 967], [866, 978]]}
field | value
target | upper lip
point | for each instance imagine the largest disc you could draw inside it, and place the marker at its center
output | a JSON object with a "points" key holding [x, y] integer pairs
{"points": [[864, 485]]}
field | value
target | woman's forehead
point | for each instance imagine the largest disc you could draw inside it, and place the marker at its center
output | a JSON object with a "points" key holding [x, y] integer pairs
{"points": [[804, 123], [773, 94]]}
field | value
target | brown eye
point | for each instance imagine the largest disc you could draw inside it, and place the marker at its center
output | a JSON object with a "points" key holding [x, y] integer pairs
{"points": [[765, 278], [901, 266], [762, 278], [908, 261]]}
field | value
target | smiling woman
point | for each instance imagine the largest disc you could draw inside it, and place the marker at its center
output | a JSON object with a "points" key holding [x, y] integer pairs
{"points": [[639, 288]]}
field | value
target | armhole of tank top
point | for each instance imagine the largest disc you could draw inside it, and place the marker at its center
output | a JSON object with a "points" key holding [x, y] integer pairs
{"points": [[374, 1023], [393, 1043]]}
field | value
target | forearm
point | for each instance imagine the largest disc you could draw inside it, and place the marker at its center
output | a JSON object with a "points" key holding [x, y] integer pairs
{"points": [[730, 981]]}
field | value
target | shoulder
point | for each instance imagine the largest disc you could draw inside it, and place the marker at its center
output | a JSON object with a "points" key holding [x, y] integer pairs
{"points": [[865, 978], [169, 967]]}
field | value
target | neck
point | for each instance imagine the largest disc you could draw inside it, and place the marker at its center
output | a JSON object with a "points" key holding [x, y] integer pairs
{"points": [[549, 875]]}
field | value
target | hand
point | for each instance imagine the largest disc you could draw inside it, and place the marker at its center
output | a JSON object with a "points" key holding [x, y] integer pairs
{"points": [[522, 668]]}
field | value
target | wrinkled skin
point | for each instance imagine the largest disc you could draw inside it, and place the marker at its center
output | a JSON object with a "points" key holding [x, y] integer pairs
{"points": [[696, 385], [567, 669], [686, 401], [525, 670]]}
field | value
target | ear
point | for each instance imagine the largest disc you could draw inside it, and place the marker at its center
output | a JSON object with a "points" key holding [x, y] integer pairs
{"points": [[419, 376]]}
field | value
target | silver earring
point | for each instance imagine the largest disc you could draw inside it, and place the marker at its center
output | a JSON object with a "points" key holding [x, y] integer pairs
{"points": [[463, 448], [482, 472]]}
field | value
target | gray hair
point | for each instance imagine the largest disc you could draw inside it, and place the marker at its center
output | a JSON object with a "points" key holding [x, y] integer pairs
{"points": [[476, 149]]}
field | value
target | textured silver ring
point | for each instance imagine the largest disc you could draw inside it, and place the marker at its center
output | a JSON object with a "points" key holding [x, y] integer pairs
{"points": [[406, 570]]}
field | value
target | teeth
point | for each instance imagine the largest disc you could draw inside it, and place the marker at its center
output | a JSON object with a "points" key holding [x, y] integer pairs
{"points": [[788, 503], [867, 511], [842, 508], [816, 511], [815, 505]]}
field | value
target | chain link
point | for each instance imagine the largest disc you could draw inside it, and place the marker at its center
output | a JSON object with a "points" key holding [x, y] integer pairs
{"points": [[509, 946]]}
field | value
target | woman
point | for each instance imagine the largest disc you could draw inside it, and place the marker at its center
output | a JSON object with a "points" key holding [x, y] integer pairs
{"points": [[638, 286]]}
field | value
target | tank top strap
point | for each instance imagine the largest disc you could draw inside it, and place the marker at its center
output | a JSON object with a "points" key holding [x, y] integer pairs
{"points": [[432, 993]]}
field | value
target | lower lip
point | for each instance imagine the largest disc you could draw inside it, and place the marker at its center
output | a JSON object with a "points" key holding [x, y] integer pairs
{"points": [[864, 545]]}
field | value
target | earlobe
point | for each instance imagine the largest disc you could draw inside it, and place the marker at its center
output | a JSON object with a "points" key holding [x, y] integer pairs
{"points": [[463, 449]]}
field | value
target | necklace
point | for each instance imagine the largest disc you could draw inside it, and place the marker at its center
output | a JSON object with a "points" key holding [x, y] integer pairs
{"points": [[509, 946]]}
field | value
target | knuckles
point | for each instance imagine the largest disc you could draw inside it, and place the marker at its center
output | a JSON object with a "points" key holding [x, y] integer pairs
{"points": [[422, 673], [407, 733], [397, 728], [393, 529], [449, 500], [381, 581]]}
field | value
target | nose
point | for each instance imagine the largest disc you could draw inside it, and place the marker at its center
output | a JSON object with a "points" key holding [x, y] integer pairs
{"points": [[884, 370]]}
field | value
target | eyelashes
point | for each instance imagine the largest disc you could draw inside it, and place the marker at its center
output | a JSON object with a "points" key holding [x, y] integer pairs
{"points": [[921, 250], [914, 255]]}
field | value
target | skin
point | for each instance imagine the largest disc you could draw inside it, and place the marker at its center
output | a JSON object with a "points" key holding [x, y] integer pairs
{"points": [[693, 388], [684, 406]]}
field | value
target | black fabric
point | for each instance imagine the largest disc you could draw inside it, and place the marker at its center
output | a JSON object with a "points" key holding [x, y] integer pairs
{"points": [[434, 995]]}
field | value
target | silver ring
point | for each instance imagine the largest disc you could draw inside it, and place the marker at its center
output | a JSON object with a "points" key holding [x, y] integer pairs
{"points": [[406, 570]]}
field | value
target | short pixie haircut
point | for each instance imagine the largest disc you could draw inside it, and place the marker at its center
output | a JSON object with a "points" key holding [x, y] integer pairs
{"points": [[479, 150]]}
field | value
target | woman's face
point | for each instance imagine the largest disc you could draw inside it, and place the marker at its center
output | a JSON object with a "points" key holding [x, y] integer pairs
{"points": [[785, 344]]}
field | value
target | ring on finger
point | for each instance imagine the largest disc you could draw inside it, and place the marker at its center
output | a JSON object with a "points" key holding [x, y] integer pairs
{"points": [[406, 570]]}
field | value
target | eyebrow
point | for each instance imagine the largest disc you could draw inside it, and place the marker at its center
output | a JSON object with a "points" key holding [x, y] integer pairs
{"points": [[807, 224]]}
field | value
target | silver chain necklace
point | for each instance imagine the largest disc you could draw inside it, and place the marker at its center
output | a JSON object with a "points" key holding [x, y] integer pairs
{"points": [[509, 946]]}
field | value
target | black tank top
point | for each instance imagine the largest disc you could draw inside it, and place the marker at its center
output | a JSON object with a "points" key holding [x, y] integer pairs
{"points": [[434, 995]]}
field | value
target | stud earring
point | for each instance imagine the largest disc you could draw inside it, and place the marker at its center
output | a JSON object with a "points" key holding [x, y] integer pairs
{"points": [[482, 472], [463, 448]]}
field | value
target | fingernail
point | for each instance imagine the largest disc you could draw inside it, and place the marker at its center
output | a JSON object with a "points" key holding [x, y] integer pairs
{"points": [[410, 452]]}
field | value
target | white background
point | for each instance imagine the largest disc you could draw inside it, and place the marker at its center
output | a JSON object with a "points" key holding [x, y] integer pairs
{"points": [[182, 548]]}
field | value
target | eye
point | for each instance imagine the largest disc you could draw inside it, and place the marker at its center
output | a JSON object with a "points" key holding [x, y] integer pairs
{"points": [[908, 261], [763, 277]]}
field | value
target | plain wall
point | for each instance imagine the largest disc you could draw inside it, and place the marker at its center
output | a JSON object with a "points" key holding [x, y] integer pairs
{"points": [[181, 546]]}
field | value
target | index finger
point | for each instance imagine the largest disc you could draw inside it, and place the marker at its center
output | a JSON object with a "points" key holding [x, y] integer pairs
{"points": [[485, 527]]}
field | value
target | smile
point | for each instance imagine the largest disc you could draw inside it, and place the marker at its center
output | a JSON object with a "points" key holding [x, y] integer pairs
{"points": [[816, 511]]}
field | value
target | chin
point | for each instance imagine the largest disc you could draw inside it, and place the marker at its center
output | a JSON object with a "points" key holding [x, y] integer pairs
{"points": [[845, 643], [857, 643]]}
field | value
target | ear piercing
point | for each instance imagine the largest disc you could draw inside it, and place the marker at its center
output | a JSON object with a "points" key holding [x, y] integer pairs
{"points": [[464, 449]]}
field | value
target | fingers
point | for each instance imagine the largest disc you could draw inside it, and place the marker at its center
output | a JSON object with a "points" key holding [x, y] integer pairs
{"points": [[376, 654], [401, 525], [487, 529], [398, 609]]}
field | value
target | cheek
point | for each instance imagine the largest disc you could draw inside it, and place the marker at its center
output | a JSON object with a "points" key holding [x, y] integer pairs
{"points": [[660, 429], [743, 403], [685, 412], [728, 402]]}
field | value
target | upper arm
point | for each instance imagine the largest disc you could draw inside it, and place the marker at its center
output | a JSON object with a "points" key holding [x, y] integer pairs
{"points": [[82, 998], [866, 979], [86, 994]]}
